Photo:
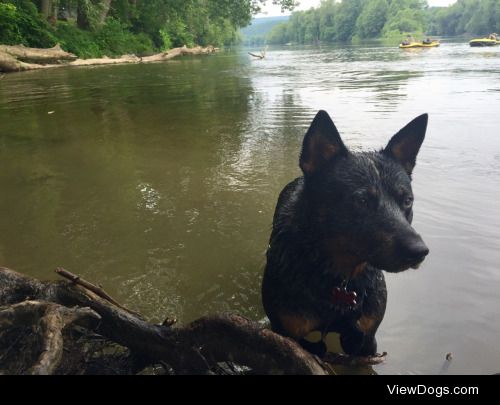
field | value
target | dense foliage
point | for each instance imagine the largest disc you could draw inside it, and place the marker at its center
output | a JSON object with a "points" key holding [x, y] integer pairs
{"points": [[467, 16], [20, 24], [352, 19], [114, 27], [346, 20]]}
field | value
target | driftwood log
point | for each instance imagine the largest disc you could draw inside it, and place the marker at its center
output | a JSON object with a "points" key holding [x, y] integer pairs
{"points": [[60, 328], [262, 54], [19, 58]]}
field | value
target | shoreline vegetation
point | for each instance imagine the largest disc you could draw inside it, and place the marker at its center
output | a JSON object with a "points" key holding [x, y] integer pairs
{"points": [[20, 58], [92, 29], [112, 30], [388, 20]]}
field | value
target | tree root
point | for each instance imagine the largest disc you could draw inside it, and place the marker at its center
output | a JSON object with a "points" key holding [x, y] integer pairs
{"points": [[202, 347], [49, 320]]}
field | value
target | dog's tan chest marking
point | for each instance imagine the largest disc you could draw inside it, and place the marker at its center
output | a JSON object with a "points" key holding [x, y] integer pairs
{"points": [[367, 323], [297, 326]]}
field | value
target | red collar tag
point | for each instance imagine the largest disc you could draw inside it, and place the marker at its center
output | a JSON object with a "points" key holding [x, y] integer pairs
{"points": [[344, 298]]}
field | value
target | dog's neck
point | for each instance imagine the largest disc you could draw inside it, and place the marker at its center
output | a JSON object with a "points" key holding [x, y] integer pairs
{"points": [[342, 262], [347, 271]]}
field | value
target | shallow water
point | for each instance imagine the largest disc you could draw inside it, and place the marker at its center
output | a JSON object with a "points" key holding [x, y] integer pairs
{"points": [[159, 181]]}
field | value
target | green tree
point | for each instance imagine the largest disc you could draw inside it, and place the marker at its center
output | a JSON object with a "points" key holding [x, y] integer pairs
{"points": [[372, 19], [20, 23], [9, 30], [311, 27], [467, 16], [327, 13], [483, 20], [346, 17], [340, 21], [406, 16], [279, 34]]}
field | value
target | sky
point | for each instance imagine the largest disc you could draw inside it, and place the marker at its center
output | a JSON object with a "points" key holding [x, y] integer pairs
{"points": [[269, 10]]}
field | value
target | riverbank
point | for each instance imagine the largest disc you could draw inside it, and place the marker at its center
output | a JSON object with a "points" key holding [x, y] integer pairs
{"points": [[19, 58]]}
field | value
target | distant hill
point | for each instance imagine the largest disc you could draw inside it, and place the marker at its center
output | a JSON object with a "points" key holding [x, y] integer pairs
{"points": [[257, 31]]}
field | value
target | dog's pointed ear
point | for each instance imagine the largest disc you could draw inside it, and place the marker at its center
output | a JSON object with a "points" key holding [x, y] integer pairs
{"points": [[322, 144], [405, 145]]}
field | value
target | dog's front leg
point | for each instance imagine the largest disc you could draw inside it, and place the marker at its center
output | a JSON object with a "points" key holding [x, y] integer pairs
{"points": [[352, 339]]}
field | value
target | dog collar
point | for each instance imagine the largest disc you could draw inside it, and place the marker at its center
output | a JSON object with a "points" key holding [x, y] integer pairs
{"points": [[344, 299]]}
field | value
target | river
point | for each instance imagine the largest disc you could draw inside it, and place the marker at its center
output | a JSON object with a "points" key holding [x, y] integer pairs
{"points": [[159, 182]]}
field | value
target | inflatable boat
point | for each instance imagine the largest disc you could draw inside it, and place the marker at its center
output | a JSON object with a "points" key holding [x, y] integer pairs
{"points": [[423, 44], [491, 41]]}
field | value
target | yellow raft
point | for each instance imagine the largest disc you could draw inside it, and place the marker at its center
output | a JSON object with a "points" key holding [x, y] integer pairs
{"points": [[431, 44], [484, 42]]}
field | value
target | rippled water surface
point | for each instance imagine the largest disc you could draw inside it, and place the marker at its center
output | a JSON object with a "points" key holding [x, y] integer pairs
{"points": [[159, 181]]}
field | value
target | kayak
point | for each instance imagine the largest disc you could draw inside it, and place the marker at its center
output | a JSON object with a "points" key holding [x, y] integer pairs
{"points": [[484, 42], [433, 44]]}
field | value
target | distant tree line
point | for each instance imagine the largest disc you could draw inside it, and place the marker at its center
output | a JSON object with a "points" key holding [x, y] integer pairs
{"points": [[479, 17], [346, 20], [113, 27]]}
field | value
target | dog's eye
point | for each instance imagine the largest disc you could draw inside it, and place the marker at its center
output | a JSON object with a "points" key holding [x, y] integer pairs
{"points": [[362, 201], [408, 202]]}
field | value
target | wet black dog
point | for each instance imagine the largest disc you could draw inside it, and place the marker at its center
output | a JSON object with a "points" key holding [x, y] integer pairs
{"points": [[335, 229]]}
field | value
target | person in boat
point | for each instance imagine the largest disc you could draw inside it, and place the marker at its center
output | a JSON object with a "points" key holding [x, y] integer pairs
{"points": [[494, 36], [409, 39], [427, 41]]}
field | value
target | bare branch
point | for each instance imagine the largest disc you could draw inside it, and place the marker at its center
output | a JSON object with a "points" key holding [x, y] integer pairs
{"points": [[91, 287]]}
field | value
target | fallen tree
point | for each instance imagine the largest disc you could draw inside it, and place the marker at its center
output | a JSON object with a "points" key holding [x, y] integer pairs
{"points": [[73, 327], [19, 58]]}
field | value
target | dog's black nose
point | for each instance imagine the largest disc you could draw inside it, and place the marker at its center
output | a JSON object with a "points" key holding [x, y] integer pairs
{"points": [[415, 251]]}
